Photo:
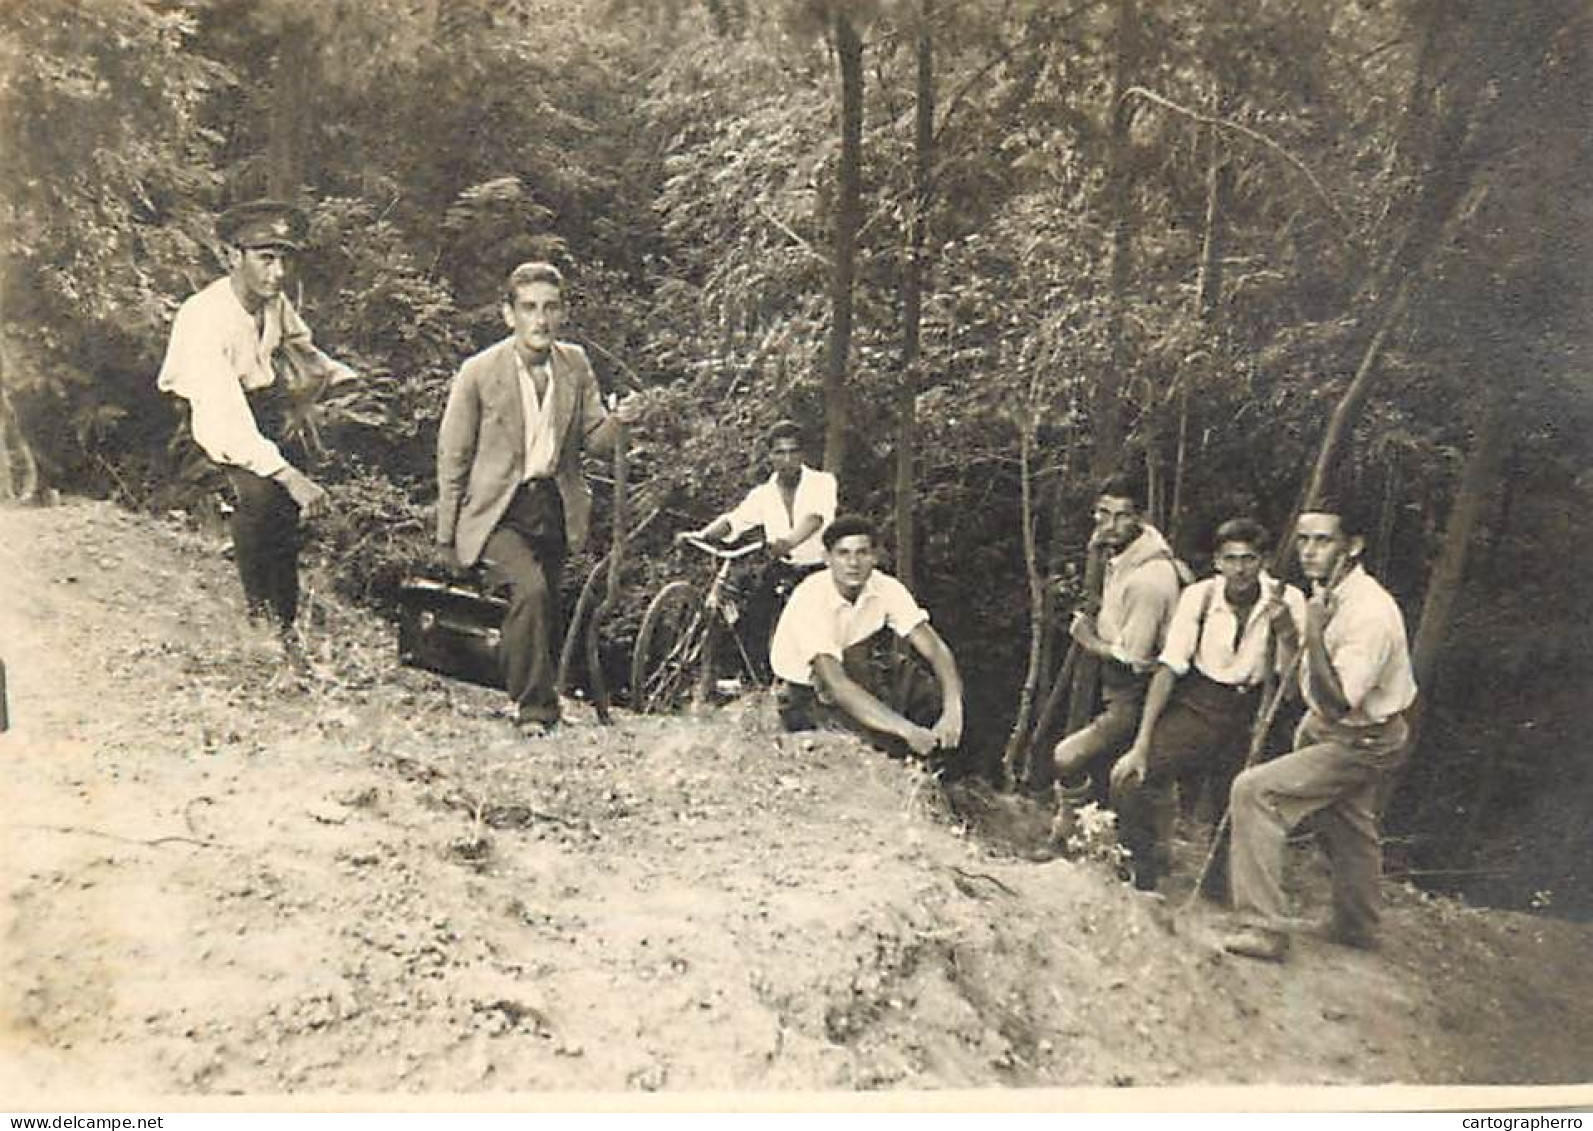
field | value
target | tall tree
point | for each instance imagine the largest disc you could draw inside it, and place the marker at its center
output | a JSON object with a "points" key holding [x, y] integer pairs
{"points": [[848, 218], [913, 291]]}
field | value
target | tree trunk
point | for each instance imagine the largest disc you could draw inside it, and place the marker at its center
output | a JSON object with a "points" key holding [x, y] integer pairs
{"points": [[1342, 422], [16, 450], [1390, 512], [848, 218], [1480, 481], [1107, 411], [288, 145], [1018, 752], [913, 299]]}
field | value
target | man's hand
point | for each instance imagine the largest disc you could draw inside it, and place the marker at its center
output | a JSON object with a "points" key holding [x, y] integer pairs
{"points": [[1318, 609], [1082, 629], [948, 729], [309, 495], [1130, 768], [921, 739], [632, 407], [1276, 611], [778, 548], [444, 559], [684, 536]]}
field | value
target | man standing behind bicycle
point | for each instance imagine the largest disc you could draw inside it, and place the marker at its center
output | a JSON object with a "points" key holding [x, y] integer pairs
{"points": [[818, 651], [792, 507]]}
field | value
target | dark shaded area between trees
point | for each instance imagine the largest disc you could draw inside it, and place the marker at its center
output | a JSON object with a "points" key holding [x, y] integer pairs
{"points": [[984, 251]]}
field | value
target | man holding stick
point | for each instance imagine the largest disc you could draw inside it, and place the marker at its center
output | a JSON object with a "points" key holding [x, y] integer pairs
{"points": [[1229, 634], [1137, 600], [510, 492], [1357, 682]]}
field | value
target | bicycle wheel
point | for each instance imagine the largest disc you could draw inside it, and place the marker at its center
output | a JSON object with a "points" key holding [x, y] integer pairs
{"points": [[665, 648]]}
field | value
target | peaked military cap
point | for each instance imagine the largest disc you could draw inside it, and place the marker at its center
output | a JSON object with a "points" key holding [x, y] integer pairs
{"points": [[264, 223]]}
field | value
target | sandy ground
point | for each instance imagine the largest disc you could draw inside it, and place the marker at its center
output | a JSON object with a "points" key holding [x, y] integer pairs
{"points": [[212, 883]]}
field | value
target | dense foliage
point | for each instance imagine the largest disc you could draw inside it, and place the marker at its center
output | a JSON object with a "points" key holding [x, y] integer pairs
{"points": [[1175, 235]]}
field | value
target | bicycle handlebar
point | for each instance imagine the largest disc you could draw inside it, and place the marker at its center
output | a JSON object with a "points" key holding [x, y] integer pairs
{"points": [[727, 554]]}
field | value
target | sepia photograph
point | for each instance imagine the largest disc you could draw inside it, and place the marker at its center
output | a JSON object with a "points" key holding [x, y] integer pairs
{"points": [[941, 554]]}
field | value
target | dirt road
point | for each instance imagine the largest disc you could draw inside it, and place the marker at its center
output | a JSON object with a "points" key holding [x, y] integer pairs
{"points": [[213, 883]]}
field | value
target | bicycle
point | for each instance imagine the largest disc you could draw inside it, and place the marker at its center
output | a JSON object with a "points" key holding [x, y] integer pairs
{"points": [[679, 635]]}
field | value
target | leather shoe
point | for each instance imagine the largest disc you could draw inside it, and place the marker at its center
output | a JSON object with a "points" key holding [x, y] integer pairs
{"points": [[1257, 942]]}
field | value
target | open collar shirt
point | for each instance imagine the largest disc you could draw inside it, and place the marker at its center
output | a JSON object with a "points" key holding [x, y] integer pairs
{"points": [[819, 621], [816, 493], [541, 442], [1137, 599], [1365, 638], [1204, 627], [218, 353]]}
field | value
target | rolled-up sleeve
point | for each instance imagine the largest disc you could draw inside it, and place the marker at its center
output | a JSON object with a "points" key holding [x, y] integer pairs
{"points": [[1359, 653], [198, 369], [1183, 632], [747, 513], [902, 612]]}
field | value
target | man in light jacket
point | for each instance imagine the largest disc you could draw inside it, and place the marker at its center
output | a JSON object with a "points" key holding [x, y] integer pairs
{"points": [[510, 492]]}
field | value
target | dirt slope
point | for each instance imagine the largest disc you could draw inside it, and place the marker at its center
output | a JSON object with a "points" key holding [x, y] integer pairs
{"points": [[213, 884]]}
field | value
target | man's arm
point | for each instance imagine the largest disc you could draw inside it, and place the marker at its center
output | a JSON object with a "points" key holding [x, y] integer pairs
{"points": [[715, 531], [311, 365], [847, 694], [197, 369], [1150, 594], [456, 451], [948, 728], [1132, 764], [806, 526], [1327, 694], [1286, 608], [819, 503], [598, 428]]}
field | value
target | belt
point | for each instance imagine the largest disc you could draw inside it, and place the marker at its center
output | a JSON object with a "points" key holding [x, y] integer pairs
{"points": [[1237, 690]]}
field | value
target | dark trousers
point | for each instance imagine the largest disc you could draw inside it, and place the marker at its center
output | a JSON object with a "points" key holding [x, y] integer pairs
{"points": [[1205, 726], [526, 552], [265, 542], [1092, 750], [765, 601], [870, 666]]}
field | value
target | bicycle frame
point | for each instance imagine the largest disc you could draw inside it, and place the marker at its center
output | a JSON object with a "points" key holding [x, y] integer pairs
{"points": [[693, 646]]}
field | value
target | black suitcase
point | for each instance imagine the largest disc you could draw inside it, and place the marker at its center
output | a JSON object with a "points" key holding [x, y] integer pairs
{"points": [[451, 627]]}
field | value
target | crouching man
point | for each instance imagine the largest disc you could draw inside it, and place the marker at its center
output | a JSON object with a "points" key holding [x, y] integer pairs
{"points": [[820, 652], [1358, 683]]}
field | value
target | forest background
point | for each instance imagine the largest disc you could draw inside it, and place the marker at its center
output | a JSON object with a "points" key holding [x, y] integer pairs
{"points": [[984, 250]]}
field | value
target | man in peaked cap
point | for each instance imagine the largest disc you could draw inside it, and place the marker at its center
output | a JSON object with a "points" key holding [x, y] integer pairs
{"points": [[236, 347]]}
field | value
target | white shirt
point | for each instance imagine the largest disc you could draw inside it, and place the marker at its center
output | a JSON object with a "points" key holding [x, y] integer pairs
{"points": [[541, 445], [1365, 640], [1201, 633], [216, 352], [815, 494], [818, 621], [1137, 599]]}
